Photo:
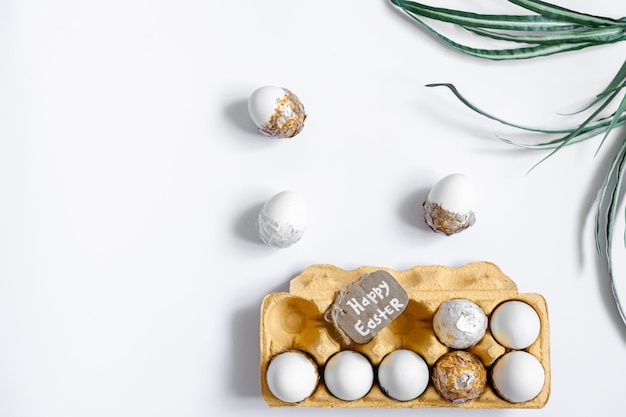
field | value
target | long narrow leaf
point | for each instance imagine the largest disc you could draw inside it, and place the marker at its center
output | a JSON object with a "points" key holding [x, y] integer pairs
{"points": [[600, 36], [617, 191], [614, 121], [509, 22], [552, 144], [563, 14], [618, 80], [478, 110], [608, 91], [611, 190], [588, 127], [604, 191], [577, 131], [616, 83], [506, 54]]}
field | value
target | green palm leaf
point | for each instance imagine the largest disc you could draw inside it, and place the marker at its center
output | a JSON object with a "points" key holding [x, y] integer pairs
{"points": [[617, 83], [506, 54], [553, 29], [561, 13], [572, 30], [587, 127], [605, 216], [603, 35], [510, 22]]}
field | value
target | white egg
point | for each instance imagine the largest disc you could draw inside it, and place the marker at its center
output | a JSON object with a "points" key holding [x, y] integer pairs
{"points": [[518, 376], [403, 375], [459, 323], [348, 375], [276, 111], [282, 219], [292, 376], [450, 205], [515, 324]]}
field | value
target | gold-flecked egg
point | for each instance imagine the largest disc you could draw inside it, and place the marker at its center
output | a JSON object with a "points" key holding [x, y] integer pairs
{"points": [[459, 376], [276, 111], [450, 204]]}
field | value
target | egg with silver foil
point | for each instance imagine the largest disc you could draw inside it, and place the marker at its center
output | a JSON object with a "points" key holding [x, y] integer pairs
{"points": [[450, 205], [282, 220], [276, 111], [459, 323]]}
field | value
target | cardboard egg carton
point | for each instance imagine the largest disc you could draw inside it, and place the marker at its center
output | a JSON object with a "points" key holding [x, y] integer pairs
{"points": [[295, 320]]}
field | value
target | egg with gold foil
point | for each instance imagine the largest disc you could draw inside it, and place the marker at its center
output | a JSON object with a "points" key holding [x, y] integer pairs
{"points": [[450, 204], [459, 376], [276, 111]]}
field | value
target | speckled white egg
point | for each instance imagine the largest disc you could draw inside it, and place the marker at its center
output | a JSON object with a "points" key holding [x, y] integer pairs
{"points": [[292, 376], [348, 375], [515, 324], [276, 111], [450, 205], [518, 376], [403, 375], [459, 323], [282, 219]]}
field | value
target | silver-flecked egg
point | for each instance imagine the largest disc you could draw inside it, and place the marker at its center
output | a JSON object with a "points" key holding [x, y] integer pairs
{"points": [[282, 219], [460, 323]]}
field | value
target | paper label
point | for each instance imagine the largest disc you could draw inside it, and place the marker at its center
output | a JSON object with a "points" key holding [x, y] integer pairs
{"points": [[368, 305]]}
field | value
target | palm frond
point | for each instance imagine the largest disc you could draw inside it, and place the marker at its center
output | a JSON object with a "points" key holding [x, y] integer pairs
{"points": [[551, 29]]}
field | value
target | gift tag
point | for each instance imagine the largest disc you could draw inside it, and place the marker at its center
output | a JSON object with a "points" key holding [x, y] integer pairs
{"points": [[368, 304]]}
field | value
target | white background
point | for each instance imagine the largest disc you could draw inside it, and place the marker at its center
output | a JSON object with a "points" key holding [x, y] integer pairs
{"points": [[131, 274]]}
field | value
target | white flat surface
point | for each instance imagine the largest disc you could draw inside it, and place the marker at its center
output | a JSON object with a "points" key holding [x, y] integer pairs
{"points": [[130, 175]]}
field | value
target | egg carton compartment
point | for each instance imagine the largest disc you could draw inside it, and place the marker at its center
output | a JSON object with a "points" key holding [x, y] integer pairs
{"points": [[295, 321]]}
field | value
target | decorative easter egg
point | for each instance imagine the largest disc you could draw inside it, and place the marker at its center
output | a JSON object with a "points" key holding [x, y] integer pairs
{"points": [[282, 219], [450, 205], [459, 323], [276, 111], [459, 376]]}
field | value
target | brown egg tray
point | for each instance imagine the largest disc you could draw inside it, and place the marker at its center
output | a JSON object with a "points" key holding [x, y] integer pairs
{"points": [[295, 321]]}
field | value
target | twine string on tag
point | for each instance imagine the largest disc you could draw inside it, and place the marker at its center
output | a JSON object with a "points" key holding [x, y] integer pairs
{"points": [[332, 313], [334, 310]]}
